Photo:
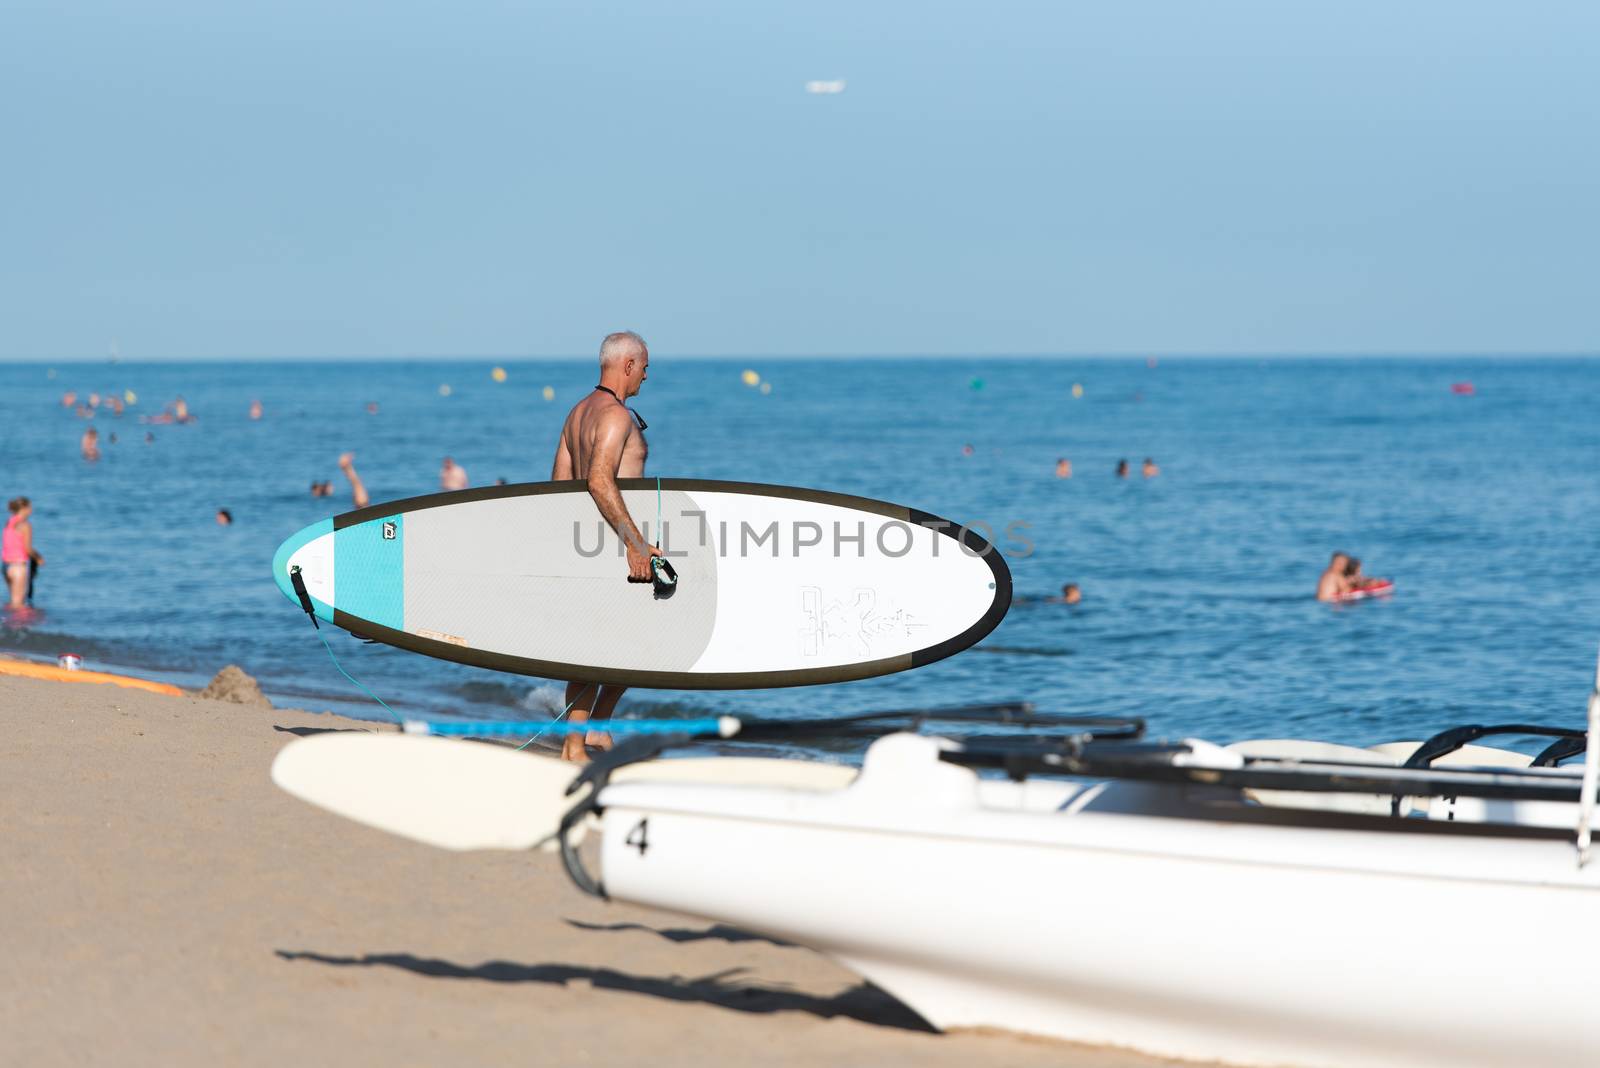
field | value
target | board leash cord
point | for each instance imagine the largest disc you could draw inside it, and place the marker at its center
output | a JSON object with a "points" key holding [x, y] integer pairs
{"points": [[299, 585], [324, 639], [562, 728], [305, 602]]}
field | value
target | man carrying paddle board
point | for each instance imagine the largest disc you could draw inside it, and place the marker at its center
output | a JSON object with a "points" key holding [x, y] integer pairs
{"points": [[601, 441]]}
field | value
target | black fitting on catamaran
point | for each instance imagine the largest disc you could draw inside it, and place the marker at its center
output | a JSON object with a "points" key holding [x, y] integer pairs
{"points": [[1561, 749], [1569, 742], [1448, 741], [596, 774]]}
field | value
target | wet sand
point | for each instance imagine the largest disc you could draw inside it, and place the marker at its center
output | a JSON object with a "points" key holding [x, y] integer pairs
{"points": [[165, 904]]}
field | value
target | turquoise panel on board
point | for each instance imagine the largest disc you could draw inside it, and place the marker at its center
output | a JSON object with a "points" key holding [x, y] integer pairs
{"points": [[280, 565], [369, 570]]}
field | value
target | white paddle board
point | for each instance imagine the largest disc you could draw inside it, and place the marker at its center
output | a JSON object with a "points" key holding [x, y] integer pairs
{"points": [[776, 586]]}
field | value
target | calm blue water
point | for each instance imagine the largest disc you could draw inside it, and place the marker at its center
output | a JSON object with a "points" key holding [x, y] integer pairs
{"points": [[1197, 613]]}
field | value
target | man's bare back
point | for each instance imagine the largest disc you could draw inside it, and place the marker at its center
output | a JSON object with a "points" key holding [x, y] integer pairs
{"points": [[591, 420], [601, 442]]}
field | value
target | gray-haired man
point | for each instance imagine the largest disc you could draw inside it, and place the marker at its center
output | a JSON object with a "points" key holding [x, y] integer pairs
{"points": [[603, 441]]}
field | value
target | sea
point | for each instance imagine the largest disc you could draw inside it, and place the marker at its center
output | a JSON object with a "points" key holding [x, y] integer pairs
{"points": [[1471, 482]]}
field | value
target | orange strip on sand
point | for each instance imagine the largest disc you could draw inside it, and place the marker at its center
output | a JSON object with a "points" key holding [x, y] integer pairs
{"points": [[29, 669]]}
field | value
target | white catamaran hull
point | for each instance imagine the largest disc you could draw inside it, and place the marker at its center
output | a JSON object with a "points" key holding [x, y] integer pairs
{"points": [[1060, 910]]}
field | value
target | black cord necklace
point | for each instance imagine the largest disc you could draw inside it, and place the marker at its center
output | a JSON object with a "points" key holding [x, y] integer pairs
{"points": [[637, 417]]}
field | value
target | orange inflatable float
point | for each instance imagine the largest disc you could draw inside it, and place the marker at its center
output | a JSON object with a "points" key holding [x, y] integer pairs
{"points": [[28, 669]]}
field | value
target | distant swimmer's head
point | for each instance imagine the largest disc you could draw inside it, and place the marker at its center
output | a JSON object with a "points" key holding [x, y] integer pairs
{"points": [[1352, 567], [1122, 469], [1071, 594], [224, 517], [626, 357], [1338, 560]]}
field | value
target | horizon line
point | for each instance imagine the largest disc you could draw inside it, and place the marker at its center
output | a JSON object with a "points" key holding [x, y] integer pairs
{"points": [[717, 357]]}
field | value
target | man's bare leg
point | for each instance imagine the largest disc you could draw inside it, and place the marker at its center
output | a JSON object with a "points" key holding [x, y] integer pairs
{"points": [[580, 699], [609, 695], [358, 492]]}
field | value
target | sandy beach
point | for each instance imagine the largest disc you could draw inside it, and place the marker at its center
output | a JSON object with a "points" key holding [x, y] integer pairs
{"points": [[165, 904]]}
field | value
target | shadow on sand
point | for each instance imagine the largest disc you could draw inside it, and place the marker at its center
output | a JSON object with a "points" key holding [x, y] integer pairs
{"points": [[863, 1002], [717, 932], [306, 732]]}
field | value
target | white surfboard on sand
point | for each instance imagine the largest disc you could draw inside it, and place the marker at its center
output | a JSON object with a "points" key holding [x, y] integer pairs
{"points": [[776, 586]]}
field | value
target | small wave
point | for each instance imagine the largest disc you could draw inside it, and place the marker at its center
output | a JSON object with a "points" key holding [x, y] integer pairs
{"points": [[548, 698], [551, 699], [27, 639], [30, 642], [662, 710], [1020, 650]]}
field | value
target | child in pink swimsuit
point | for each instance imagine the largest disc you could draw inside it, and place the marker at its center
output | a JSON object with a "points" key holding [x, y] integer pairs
{"points": [[16, 550]]}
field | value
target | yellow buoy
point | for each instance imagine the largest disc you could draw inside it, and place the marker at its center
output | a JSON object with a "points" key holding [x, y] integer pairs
{"points": [[549, 393], [130, 397], [766, 387], [498, 374], [1077, 390], [444, 391], [750, 378]]}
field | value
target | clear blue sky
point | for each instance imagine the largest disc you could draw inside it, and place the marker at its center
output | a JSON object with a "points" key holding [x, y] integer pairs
{"points": [[339, 179]]}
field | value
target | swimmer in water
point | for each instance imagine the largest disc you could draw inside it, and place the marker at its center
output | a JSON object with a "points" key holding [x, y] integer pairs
{"points": [[1332, 583], [1122, 469], [89, 444], [180, 410], [18, 557], [966, 450], [452, 476], [1063, 468], [1070, 594], [1150, 469], [224, 518], [1356, 580], [358, 492], [255, 409]]}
